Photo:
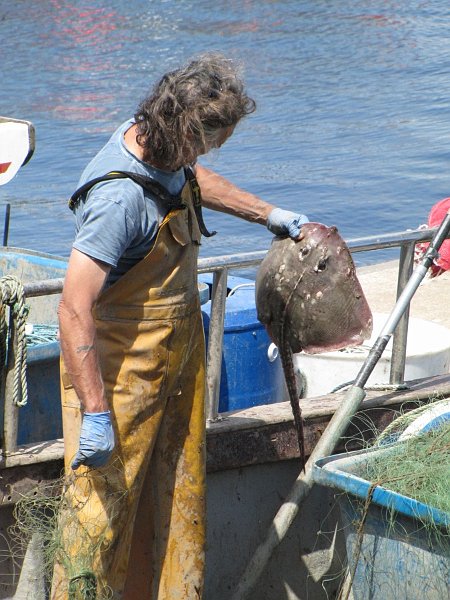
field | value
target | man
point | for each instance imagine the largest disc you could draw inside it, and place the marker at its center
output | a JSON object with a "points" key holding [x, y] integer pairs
{"points": [[132, 340]]}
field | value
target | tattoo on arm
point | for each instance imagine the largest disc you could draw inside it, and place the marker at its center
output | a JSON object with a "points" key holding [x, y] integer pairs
{"points": [[86, 348]]}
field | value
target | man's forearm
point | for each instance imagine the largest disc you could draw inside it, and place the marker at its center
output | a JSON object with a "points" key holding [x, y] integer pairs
{"points": [[78, 347], [220, 194]]}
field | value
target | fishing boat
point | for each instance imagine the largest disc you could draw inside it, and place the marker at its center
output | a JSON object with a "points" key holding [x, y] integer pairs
{"points": [[252, 450]]}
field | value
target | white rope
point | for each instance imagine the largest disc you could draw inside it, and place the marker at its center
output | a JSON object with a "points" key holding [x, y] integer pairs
{"points": [[12, 294]]}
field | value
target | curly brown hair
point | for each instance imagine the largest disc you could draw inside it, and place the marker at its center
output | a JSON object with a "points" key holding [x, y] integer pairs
{"points": [[188, 106]]}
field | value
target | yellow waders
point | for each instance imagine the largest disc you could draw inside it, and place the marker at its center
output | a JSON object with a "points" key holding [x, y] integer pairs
{"points": [[141, 518]]}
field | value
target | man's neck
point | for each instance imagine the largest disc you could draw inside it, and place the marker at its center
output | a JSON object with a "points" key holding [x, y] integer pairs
{"points": [[131, 143], [137, 150]]}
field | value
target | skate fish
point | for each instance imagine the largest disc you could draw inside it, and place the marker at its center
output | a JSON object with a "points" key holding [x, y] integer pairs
{"points": [[309, 299]]}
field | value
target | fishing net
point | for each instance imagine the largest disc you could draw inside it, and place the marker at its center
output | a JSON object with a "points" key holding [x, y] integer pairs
{"points": [[399, 547], [419, 466], [388, 553], [40, 334], [48, 519]]}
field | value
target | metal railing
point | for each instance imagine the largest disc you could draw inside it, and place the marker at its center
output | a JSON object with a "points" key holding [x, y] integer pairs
{"points": [[405, 240], [220, 267]]}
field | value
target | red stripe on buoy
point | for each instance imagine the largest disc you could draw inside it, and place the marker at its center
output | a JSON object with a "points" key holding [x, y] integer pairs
{"points": [[4, 167]]}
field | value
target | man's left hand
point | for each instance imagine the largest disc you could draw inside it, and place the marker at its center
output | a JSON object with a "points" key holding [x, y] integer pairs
{"points": [[282, 222]]}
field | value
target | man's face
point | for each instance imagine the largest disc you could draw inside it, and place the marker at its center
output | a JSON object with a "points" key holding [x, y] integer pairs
{"points": [[216, 141], [221, 137]]}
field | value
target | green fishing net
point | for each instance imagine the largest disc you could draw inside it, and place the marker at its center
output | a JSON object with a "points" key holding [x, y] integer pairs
{"points": [[418, 467], [47, 520], [401, 550]]}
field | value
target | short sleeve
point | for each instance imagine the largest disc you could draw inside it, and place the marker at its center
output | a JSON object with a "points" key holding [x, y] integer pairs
{"points": [[105, 229]]}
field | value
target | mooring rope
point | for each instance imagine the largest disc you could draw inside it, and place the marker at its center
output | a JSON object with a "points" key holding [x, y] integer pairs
{"points": [[12, 295]]}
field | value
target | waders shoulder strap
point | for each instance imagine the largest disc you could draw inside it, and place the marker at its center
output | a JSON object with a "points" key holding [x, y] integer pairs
{"points": [[197, 201], [154, 187]]}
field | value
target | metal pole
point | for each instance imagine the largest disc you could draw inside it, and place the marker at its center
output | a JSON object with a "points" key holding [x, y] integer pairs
{"points": [[215, 340], [398, 359], [6, 225]]}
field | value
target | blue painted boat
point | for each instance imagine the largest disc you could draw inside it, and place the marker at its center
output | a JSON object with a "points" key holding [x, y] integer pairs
{"points": [[40, 418]]}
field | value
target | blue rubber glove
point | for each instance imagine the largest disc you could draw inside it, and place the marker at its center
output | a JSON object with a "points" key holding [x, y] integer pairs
{"points": [[96, 440], [282, 222]]}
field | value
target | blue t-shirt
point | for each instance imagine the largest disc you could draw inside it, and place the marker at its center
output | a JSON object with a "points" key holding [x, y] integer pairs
{"points": [[118, 220]]}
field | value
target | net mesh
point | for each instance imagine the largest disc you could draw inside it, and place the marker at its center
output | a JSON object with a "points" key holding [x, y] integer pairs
{"points": [[418, 468], [50, 515]]}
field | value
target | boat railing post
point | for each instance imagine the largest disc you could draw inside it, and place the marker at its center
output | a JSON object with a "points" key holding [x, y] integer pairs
{"points": [[10, 408], [215, 342], [398, 360]]}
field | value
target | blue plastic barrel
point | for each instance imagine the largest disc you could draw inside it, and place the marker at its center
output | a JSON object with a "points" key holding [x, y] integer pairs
{"points": [[248, 377]]}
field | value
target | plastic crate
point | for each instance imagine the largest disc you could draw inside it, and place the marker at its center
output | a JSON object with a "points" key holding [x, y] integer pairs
{"points": [[400, 557]]}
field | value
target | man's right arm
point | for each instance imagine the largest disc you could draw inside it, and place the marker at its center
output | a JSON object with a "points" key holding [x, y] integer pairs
{"points": [[84, 281]]}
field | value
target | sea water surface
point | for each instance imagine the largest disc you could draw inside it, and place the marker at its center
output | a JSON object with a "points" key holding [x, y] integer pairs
{"points": [[353, 119]]}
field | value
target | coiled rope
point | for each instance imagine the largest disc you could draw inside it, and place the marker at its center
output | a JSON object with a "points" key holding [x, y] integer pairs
{"points": [[12, 295]]}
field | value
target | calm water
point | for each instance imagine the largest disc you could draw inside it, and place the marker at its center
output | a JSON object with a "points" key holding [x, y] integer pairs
{"points": [[353, 120]]}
